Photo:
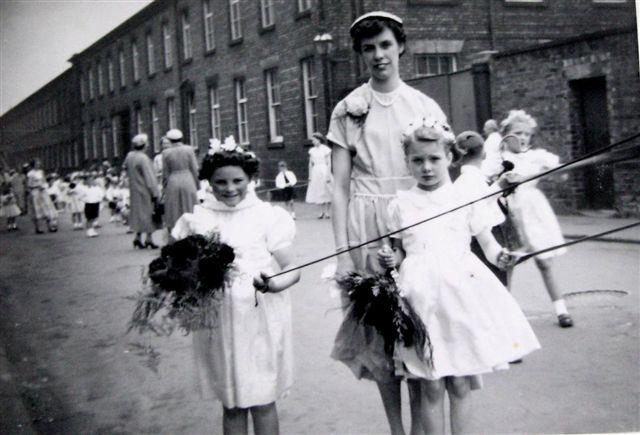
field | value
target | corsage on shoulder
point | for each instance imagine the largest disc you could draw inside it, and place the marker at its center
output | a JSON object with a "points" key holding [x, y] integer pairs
{"points": [[354, 106]]}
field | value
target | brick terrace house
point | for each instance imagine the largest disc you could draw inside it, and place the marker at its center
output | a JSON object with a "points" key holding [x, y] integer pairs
{"points": [[250, 67]]}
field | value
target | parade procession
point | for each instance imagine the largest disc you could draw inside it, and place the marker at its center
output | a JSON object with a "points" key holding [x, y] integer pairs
{"points": [[320, 217]]}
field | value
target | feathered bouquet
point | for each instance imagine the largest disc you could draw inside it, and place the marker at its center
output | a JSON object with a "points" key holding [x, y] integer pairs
{"points": [[377, 302], [185, 283]]}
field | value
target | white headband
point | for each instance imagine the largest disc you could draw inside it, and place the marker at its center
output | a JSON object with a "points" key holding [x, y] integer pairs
{"points": [[377, 14]]}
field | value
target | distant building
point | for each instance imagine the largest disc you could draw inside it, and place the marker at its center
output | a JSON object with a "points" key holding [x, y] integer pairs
{"points": [[250, 68]]}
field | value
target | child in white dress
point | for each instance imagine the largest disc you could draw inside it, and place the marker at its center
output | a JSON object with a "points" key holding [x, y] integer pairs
{"points": [[246, 361], [9, 206], [533, 218], [74, 203], [474, 324]]}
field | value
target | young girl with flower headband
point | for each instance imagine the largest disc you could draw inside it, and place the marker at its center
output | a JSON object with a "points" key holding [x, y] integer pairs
{"points": [[246, 360], [368, 169], [474, 324]]}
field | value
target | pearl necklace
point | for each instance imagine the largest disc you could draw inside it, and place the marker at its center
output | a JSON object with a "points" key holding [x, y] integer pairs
{"points": [[385, 99]]}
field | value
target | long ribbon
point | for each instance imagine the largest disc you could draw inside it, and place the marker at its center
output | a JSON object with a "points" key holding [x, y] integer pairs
{"points": [[506, 190], [529, 255]]}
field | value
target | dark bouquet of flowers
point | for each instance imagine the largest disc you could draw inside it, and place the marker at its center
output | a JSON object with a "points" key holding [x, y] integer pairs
{"points": [[377, 302], [186, 283]]}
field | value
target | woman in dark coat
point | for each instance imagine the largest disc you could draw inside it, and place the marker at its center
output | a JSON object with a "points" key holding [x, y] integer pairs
{"points": [[144, 191], [180, 179]]}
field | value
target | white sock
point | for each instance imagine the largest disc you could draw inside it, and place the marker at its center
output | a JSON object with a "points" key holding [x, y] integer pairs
{"points": [[560, 307]]}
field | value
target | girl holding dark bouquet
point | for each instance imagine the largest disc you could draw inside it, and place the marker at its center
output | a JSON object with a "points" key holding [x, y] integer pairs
{"points": [[368, 169], [474, 324], [246, 359]]}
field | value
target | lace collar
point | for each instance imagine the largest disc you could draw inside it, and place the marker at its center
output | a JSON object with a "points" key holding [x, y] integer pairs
{"points": [[211, 203]]}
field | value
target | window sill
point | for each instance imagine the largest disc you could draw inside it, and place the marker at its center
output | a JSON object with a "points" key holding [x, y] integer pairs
{"points": [[168, 68], [303, 14], [275, 145], [521, 4], [433, 2], [187, 61], [210, 52], [267, 29], [609, 5], [236, 41]]}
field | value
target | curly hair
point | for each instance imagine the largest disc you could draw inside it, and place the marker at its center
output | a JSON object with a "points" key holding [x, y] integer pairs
{"points": [[429, 134], [374, 26], [517, 116], [211, 162]]}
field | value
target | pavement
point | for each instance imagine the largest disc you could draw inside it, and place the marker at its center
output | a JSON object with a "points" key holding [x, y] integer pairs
{"points": [[15, 417]]}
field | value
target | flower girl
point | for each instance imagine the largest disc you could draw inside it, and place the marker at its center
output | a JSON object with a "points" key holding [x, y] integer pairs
{"points": [[246, 361]]}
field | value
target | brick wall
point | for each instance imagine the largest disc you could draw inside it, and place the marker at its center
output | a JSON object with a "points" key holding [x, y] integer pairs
{"points": [[540, 80]]}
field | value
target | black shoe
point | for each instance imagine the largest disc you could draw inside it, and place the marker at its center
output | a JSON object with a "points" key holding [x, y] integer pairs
{"points": [[516, 361], [565, 321], [39, 232], [149, 244], [138, 244]]}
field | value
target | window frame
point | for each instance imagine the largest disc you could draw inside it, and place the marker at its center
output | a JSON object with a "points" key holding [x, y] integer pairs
{"points": [[100, 78], [215, 123], [115, 129], [110, 74], [167, 49], [151, 58], [172, 120], [235, 25], [122, 65], [135, 61], [309, 76], [155, 126], [137, 118], [187, 43], [242, 115], [274, 105], [94, 139], [104, 139], [417, 57], [267, 11], [91, 83], [192, 118], [208, 26], [303, 6]]}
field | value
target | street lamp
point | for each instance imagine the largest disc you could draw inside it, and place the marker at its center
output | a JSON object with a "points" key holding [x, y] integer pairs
{"points": [[324, 45]]}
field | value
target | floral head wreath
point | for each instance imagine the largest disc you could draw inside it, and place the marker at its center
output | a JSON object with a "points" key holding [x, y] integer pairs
{"points": [[438, 129], [229, 145]]}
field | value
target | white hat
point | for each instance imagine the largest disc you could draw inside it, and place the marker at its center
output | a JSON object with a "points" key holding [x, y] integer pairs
{"points": [[377, 14], [140, 140], [174, 134]]}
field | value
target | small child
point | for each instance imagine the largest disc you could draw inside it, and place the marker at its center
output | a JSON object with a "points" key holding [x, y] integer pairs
{"points": [[246, 361], [74, 203], [474, 324], [9, 206], [123, 200], [285, 180], [92, 195], [533, 218], [110, 194]]}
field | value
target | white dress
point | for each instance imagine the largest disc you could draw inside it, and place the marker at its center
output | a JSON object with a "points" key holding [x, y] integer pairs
{"points": [[474, 324], [319, 189], [248, 360], [533, 217]]}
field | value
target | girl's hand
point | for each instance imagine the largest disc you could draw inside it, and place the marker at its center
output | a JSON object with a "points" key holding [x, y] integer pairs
{"points": [[509, 178], [262, 282], [386, 257], [506, 259]]}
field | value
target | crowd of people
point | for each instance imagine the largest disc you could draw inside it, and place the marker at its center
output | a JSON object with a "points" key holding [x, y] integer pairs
{"points": [[387, 167]]}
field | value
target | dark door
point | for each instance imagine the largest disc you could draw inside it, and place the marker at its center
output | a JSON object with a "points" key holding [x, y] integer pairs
{"points": [[594, 125]]}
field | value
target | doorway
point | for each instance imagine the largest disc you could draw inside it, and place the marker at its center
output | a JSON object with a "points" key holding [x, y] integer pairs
{"points": [[593, 128]]}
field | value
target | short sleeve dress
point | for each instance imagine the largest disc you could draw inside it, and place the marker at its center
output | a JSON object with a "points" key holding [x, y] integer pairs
{"points": [[474, 324], [378, 172], [533, 218], [248, 360], [319, 189]]}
